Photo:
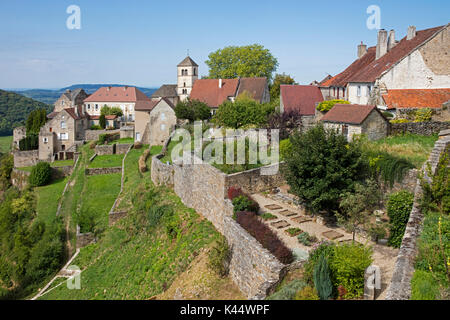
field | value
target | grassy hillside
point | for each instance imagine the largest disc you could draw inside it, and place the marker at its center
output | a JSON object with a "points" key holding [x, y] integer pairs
{"points": [[144, 253], [5, 144], [14, 109]]}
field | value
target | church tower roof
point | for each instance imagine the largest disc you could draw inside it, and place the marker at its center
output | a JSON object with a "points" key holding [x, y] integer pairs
{"points": [[188, 62]]}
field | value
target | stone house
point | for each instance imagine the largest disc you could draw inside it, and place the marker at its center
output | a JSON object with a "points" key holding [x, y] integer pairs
{"points": [[155, 120], [419, 61], [214, 92], [59, 136], [70, 99], [124, 98], [354, 119]]}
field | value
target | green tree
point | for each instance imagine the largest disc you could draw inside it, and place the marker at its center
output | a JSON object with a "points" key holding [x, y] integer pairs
{"points": [[35, 121], [321, 166], [102, 121], [322, 280], [245, 61], [40, 174], [357, 206], [192, 110], [277, 82], [107, 111], [399, 207]]}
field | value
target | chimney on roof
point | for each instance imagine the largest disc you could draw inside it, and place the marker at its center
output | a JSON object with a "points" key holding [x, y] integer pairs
{"points": [[68, 91], [411, 33], [109, 88], [125, 88], [382, 44], [391, 40], [220, 83], [362, 50]]}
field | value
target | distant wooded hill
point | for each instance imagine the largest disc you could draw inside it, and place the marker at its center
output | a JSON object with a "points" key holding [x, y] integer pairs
{"points": [[50, 96], [15, 108]]}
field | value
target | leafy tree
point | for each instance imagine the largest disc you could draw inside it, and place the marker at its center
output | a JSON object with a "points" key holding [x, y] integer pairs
{"points": [[35, 121], [277, 82], [192, 110], [245, 61], [40, 174], [322, 280], [357, 206], [102, 121], [287, 122], [30, 142], [243, 112], [322, 166]]}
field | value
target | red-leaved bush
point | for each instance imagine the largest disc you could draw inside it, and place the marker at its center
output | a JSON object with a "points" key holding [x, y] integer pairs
{"points": [[234, 192], [265, 236]]}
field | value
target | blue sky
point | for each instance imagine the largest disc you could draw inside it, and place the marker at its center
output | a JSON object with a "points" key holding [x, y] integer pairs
{"points": [[140, 42]]}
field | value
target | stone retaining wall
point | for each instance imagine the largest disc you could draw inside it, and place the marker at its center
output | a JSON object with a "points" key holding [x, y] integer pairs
{"points": [[25, 158], [122, 148], [400, 287], [422, 128], [93, 135], [102, 150], [99, 171], [19, 179], [116, 216], [408, 183], [84, 239], [202, 187]]}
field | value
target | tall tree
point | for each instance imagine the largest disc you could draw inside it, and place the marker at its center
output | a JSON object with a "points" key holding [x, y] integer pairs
{"points": [[245, 61], [192, 110], [277, 82]]}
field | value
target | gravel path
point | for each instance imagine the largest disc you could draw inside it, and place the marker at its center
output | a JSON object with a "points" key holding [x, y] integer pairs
{"points": [[384, 257]]}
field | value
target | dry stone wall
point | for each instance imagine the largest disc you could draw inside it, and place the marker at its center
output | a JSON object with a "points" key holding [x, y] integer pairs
{"points": [[93, 135], [400, 287], [102, 150], [25, 158], [202, 187], [99, 171], [422, 128], [122, 148]]}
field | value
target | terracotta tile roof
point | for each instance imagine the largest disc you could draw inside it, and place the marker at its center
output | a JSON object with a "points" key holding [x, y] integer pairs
{"points": [[117, 94], [342, 78], [416, 98], [52, 115], [254, 86], [376, 68], [301, 98], [208, 91], [149, 105], [71, 112], [349, 113]]}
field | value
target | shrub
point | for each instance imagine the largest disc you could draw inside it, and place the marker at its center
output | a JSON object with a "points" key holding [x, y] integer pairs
{"points": [[398, 209], [436, 195], [387, 115], [244, 203], [322, 280], [138, 145], [322, 166], [262, 233], [285, 148], [306, 239], [102, 121], [399, 121], [40, 174], [268, 216], [326, 106], [289, 291], [307, 293], [324, 248], [423, 286], [95, 127], [234, 192], [219, 257], [423, 115], [348, 266]]}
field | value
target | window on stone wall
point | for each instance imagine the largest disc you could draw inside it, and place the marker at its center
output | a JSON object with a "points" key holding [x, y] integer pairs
{"points": [[63, 125], [163, 127]]}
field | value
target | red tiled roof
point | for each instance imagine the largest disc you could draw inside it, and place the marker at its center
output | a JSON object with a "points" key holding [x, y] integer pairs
{"points": [[301, 98], [254, 86], [416, 98], [342, 78], [117, 94], [376, 68], [71, 112], [149, 105], [349, 113], [208, 91]]}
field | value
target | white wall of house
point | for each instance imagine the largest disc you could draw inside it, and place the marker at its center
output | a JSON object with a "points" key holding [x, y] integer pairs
{"points": [[413, 73], [351, 129], [359, 93], [94, 108]]}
